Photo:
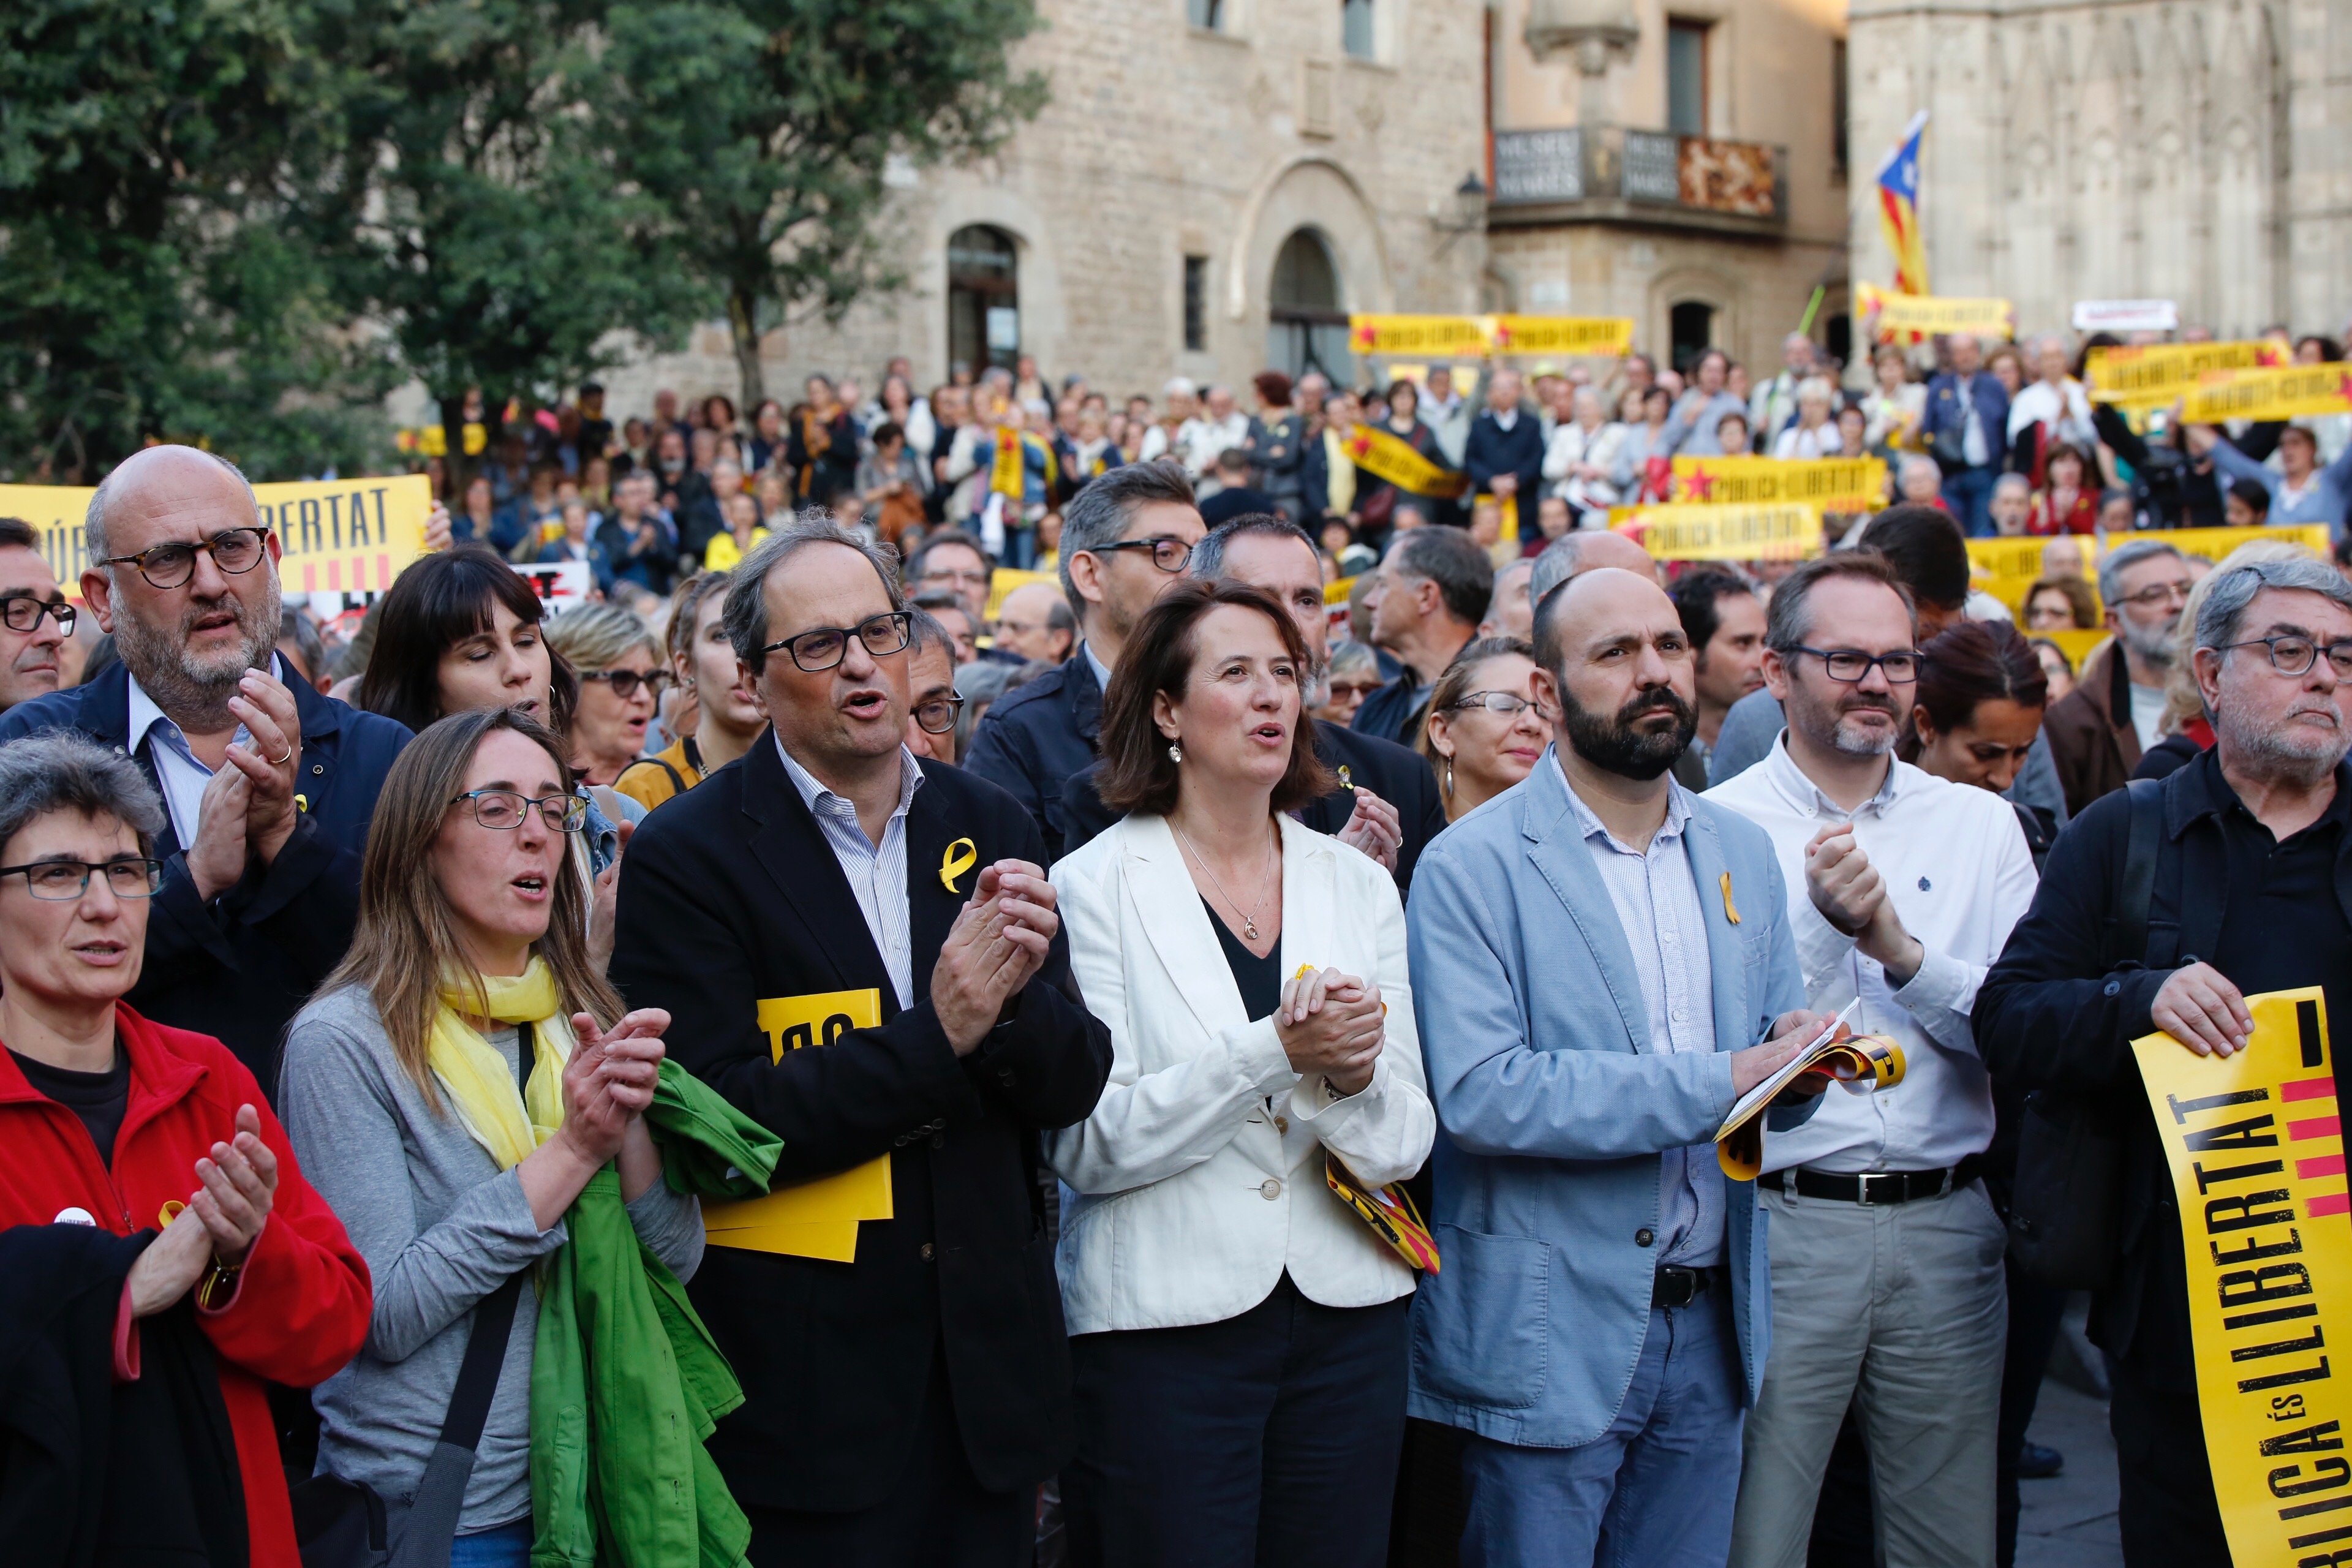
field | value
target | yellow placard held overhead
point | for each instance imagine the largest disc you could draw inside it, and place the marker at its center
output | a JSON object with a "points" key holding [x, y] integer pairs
{"points": [[2156, 373], [1387, 455], [1476, 337], [1434, 337], [2286, 393], [1784, 530], [1833, 484], [2255, 1144], [819, 1217], [1935, 314], [1603, 335], [340, 536]]}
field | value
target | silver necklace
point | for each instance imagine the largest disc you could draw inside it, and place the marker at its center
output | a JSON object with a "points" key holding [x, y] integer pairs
{"points": [[1249, 920]]}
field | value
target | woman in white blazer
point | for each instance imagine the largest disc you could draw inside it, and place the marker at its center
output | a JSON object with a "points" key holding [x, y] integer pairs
{"points": [[1239, 1334]]}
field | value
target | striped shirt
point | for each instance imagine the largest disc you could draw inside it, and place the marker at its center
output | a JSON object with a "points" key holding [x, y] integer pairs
{"points": [[877, 873]]}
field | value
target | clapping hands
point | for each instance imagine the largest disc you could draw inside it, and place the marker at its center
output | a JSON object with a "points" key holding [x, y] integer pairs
{"points": [[998, 942]]}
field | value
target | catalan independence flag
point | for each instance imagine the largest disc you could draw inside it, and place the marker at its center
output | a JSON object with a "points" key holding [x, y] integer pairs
{"points": [[1898, 209]]}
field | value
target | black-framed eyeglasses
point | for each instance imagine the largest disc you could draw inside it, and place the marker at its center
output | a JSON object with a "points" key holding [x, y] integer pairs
{"points": [[1851, 664], [62, 882], [937, 716], [504, 808], [2156, 594], [624, 682], [1168, 554], [1509, 703], [23, 613], [824, 647], [235, 551], [2292, 655]]}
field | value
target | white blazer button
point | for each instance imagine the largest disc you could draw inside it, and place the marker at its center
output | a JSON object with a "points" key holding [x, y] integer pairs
{"points": [[1270, 1189]]}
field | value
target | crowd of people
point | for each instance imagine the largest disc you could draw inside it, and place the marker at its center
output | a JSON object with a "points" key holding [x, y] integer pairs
{"points": [[1289, 1044]]}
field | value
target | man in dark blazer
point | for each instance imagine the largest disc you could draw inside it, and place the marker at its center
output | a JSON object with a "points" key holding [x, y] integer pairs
{"points": [[1387, 803], [1966, 428], [268, 786], [1505, 451], [1125, 540], [902, 1406]]}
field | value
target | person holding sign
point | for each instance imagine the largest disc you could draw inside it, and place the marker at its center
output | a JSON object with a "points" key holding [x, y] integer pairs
{"points": [[861, 951], [1618, 968], [2301, 492], [2246, 850], [266, 784]]}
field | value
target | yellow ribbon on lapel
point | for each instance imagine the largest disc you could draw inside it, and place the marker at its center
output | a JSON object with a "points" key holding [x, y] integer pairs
{"points": [[961, 856], [1731, 910]]}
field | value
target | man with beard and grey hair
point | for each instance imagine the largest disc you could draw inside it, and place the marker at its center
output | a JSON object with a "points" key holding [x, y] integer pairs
{"points": [[1887, 1285], [2252, 845], [2098, 730], [1617, 968], [268, 786]]}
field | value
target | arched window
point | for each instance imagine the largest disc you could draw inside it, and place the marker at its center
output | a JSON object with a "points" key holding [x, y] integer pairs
{"points": [[1691, 327], [1306, 324], [983, 298]]}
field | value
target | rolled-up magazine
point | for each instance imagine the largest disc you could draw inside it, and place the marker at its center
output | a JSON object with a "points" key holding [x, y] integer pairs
{"points": [[1862, 1062]]}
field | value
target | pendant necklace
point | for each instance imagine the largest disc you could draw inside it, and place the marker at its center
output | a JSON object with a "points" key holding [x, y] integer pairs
{"points": [[1249, 920]]}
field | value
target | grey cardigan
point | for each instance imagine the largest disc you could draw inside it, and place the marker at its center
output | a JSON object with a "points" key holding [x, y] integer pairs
{"points": [[441, 1226]]}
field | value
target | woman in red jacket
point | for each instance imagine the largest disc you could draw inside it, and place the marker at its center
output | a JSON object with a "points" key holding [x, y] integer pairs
{"points": [[115, 1122]]}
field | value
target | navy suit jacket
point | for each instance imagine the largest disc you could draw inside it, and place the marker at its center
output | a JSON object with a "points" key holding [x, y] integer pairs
{"points": [[1519, 450], [1034, 737], [239, 968]]}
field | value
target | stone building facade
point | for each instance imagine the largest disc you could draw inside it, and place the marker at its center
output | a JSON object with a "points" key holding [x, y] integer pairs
{"points": [[2199, 151], [1213, 185]]}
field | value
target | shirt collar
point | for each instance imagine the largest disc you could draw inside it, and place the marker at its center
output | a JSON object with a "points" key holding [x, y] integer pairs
{"points": [[1095, 663], [2207, 792], [814, 794], [1507, 418], [1588, 823], [1806, 796], [144, 715]]}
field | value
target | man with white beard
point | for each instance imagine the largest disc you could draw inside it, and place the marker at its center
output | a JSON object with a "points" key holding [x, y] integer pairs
{"points": [[2098, 730]]}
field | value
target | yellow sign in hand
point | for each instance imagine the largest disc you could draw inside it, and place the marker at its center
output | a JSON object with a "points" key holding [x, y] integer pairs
{"points": [[961, 856]]}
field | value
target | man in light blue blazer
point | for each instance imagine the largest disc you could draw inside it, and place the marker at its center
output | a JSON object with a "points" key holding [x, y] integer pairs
{"points": [[1613, 969]]}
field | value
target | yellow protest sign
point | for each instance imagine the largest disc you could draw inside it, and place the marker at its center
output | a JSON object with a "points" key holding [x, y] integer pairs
{"points": [[1931, 315], [1387, 455], [2256, 1145], [1833, 484], [2157, 373], [1004, 580], [341, 536], [2075, 642], [1606, 336], [1784, 531], [1427, 336], [2213, 544], [2283, 393]]}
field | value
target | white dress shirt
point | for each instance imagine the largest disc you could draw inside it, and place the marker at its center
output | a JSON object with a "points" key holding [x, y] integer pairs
{"points": [[1955, 863], [184, 778], [876, 872], [2063, 408]]}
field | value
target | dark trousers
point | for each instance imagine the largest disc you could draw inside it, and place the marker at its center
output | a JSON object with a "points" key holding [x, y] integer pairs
{"points": [[1269, 1438], [2167, 1508], [2034, 1310], [937, 1516]]}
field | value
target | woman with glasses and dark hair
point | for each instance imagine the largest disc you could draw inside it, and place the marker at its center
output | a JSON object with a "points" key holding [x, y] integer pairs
{"points": [[1485, 731], [460, 1082], [174, 1225]]}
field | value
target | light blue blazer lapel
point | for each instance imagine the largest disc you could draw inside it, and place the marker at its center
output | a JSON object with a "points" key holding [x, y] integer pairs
{"points": [[1558, 853], [1735, 1023]]}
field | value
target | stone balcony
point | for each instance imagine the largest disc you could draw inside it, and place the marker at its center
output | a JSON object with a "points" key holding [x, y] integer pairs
{"points": [[1641, 179]]}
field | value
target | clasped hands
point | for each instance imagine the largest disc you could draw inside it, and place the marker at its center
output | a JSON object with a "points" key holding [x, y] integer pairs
{"points": [[249, 807], [219, 1224], [999, 940], [1332, 1024], [1852, 897]]}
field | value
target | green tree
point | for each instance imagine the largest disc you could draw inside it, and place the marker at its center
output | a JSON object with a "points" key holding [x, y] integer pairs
{"points": [[763, 128]]}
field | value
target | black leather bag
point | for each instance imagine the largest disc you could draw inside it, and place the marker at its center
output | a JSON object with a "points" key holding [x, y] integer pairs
{"points": [[2066, 1218], [341, 1524]]}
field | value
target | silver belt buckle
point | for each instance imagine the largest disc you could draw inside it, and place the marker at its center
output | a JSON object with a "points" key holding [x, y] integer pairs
{"points": [[1862, 1194]]}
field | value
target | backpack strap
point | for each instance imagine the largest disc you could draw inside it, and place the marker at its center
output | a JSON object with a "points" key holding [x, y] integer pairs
{"points": [[2129, 934]]}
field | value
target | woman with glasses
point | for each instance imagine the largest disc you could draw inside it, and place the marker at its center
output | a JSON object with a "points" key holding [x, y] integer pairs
{"points": [[1485, 731], [457, 1084], [209, 1268], [620, 681], [1352, 674]]}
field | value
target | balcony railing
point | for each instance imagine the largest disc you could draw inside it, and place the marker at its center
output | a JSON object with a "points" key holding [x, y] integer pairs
{"points": [[1612, 172]]}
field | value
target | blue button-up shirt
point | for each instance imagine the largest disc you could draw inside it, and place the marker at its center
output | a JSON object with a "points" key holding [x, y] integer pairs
{"points": [[1657, 905], [876, 872]]}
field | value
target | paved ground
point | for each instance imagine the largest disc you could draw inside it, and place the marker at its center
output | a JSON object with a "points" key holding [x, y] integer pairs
{"points": [[2069, 1522]]}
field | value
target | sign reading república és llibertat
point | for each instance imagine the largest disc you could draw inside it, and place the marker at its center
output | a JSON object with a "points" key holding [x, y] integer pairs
{"points": [[338, 536]]}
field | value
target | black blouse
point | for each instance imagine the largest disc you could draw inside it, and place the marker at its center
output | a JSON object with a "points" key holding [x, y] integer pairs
{"points": [[1260, 979]]}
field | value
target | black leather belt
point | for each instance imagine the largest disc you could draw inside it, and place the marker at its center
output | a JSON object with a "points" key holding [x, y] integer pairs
{"points": [[1875, 1187], [1673, 1286]]}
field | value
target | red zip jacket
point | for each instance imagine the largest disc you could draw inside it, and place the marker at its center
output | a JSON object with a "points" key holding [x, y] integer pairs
{"points": [[301, 1305]]}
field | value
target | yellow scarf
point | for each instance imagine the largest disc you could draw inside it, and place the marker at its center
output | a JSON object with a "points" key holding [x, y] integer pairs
{"points": [[506, 1122]]}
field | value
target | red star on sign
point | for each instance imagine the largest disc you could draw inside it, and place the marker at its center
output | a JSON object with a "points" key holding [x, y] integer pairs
{"points": [[1702, 485], [2344, 386], [1502, 335], [1366, 337], [2270, 356], [1359, 443]]}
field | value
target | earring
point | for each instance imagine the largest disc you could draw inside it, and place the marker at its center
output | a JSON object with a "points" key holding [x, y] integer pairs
{"points": [[1175, 752], [1449, 778]]}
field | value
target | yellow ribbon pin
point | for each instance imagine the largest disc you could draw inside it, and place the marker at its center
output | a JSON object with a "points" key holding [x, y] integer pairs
{"points": [[1347, 780], [961, 856], [1731, 910]]}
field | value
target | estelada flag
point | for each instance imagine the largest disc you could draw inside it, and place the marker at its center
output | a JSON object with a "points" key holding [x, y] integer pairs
{"points": [[1898, 209]]}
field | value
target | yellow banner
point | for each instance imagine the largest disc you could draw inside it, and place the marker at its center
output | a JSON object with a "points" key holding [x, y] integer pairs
{"points": [[2076, 642], [2256, 1147], [1786, 530], [2156, 373], [2285, 394], [1390, 457], [1934, 314], [1833, 484], [340, 536], [2006, 568], [1435, 336], [1604, 335]]}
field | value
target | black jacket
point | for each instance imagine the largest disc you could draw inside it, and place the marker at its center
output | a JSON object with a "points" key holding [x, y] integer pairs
{"points": [[239, 968], [1400, 777], [730, 894], [1519, 450], [1036, 736], [2053, 1012]]}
